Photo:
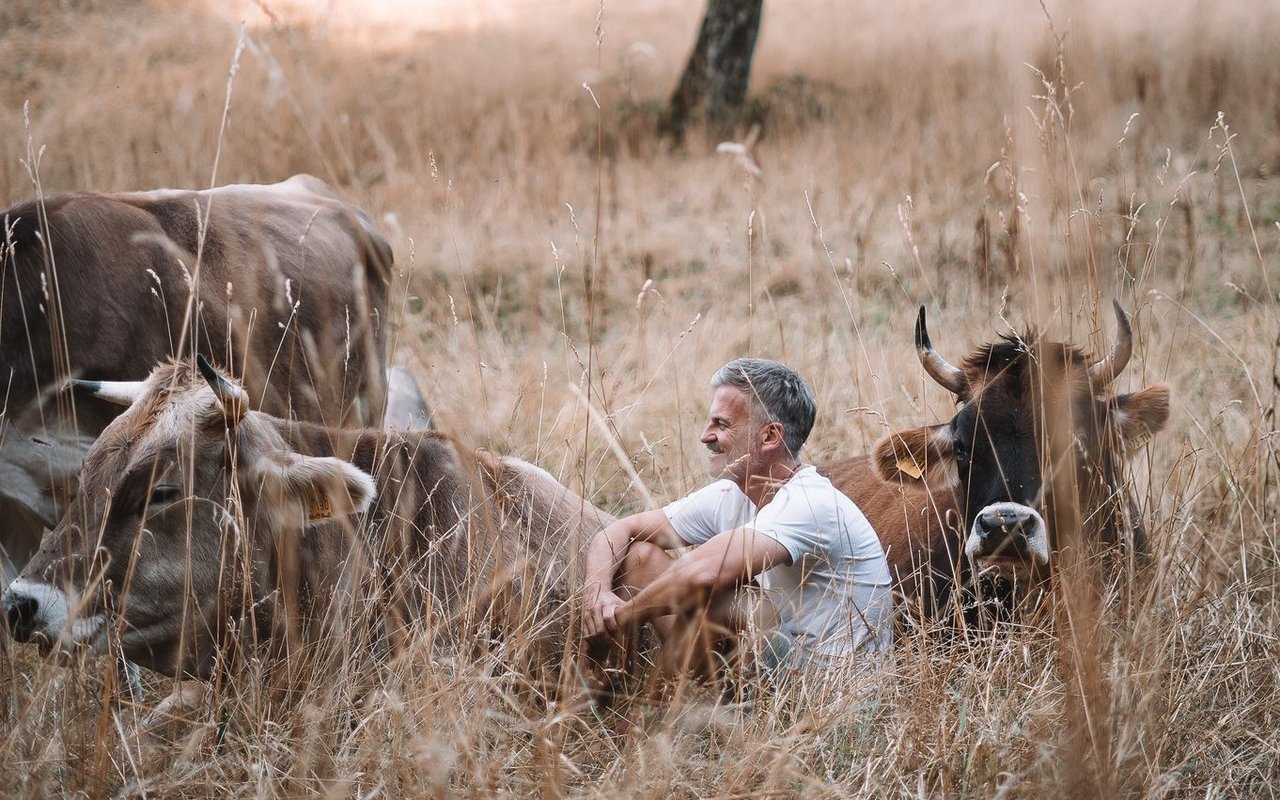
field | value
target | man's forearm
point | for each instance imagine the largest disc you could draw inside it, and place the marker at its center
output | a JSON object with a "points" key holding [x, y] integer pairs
{"points": [[723, 561], [674, 592], [605, 554]]}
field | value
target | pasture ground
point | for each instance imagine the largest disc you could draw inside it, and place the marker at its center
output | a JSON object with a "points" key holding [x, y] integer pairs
{"points": [[1000, 166]]}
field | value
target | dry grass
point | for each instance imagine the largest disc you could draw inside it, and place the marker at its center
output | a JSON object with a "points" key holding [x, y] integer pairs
{"points": [[920, 158]]}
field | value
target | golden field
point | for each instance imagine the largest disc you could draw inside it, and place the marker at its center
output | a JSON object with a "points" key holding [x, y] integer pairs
{"points": [[1007, 165]]}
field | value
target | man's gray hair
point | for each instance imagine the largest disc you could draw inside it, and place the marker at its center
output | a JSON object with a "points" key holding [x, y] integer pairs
{"points": [[778, 391]]}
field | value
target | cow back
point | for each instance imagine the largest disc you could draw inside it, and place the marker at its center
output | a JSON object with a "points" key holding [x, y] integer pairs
{"points": [[285, 283]]}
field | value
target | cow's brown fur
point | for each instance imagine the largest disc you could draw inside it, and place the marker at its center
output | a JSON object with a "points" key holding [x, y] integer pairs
{"points": [[96, 286], [249, 545]]}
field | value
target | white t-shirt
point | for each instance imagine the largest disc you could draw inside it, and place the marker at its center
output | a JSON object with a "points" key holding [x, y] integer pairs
{"points": [[835, 596]]}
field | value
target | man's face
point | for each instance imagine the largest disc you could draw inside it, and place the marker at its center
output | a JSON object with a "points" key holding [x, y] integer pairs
{"points": [[730, 435]]}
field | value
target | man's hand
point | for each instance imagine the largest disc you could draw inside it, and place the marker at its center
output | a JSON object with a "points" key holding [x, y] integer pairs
{"points": [[599, 614]]}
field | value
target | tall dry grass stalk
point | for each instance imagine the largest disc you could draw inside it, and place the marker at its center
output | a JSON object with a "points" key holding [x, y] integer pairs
{"points": [[1003, 165]]}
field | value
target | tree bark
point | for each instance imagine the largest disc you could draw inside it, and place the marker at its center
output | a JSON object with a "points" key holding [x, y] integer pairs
{"points": [[713, 87]]}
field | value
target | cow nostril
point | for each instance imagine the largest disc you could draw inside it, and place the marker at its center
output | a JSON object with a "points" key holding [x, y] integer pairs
{"points": [[1008, 522], [20, 616], [990, 522]]}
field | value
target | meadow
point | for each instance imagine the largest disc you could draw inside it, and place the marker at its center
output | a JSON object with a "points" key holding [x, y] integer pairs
{"points": [[1009, 165]]}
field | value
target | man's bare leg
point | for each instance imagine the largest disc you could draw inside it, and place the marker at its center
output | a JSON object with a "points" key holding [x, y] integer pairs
{"points": [[690, 640]]}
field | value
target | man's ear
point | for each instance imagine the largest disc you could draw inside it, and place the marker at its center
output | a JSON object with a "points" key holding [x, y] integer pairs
{"points": [[772, 435], [1141, 415], [916, 455], [322, 488]]}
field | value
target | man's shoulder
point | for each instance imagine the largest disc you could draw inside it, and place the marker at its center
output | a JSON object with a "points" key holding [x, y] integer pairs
{"points": [[818, 490], [808, 479], [722, 493], [719, 489]]}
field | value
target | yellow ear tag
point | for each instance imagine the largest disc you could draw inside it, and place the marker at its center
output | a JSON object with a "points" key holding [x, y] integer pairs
{"points": [[320, 509], [909, 467], [1139, 441]]}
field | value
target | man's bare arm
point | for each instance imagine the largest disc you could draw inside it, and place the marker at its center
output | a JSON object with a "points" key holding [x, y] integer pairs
{"points": [[723, 561], [604, 556], [609, 546]]}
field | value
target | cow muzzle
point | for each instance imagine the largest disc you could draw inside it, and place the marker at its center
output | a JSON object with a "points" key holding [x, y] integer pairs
{"points": [[39, 614], [1008, 531]]}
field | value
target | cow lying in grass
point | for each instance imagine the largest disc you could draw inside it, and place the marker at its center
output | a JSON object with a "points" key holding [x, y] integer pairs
{"points": [[201, 525], [1032, 461]]}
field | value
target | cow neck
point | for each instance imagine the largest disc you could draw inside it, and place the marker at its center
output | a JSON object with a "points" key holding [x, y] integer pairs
{"points": [[366, 448], [424, 480], [310, 439], [1096, 485], [296, 564]]}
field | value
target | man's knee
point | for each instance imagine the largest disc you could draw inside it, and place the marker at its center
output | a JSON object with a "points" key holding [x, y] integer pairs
{"points": [[643, 563], [746, 607]]}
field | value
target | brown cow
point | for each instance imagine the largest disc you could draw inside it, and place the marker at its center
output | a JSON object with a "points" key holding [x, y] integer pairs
{"points": [[197, 518], [971, 502], [286, 283]]}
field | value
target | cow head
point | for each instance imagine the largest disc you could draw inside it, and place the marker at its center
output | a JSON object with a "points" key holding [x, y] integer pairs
{"points": [[1037, 419], [179, 499]]}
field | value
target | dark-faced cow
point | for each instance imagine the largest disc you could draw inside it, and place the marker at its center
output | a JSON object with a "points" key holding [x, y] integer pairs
{"points": [[287, 284], [198, 519], [1037, 448]]}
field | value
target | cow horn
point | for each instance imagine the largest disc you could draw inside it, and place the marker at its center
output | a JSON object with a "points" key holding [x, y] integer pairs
{"points": [[949, 377], [232, 398], [1103, 371], [122, 393]]}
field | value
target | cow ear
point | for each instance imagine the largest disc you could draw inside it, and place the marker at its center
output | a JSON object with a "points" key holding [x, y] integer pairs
{"points": [[916, 455], [322, 487], [1141, 415]]}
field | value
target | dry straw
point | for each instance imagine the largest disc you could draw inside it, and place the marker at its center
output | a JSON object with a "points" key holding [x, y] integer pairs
{"points": [[1003, 164]]}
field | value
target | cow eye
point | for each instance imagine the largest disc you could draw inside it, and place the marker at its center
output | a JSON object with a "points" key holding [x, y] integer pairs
{"points": [[960, 450], [163, 495]]}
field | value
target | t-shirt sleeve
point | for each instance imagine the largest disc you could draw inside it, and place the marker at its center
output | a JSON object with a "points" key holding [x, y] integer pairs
{"points": [[713, 509], [796, 520]]}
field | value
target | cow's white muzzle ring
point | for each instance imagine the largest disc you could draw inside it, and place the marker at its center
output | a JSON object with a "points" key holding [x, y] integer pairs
{"points": [[1025, 534]]}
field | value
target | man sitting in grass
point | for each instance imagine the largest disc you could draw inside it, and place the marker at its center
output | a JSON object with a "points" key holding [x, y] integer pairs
{"points": [[767, 514]]}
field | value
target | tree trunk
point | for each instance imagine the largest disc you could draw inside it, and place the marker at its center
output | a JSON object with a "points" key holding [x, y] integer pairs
{"points": [[714, 84]]}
